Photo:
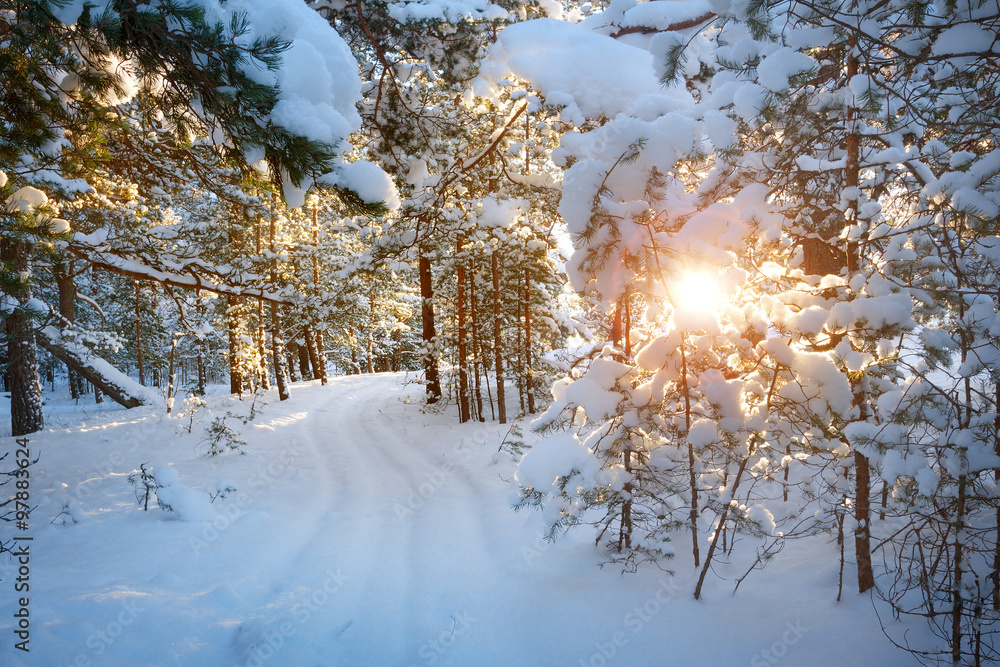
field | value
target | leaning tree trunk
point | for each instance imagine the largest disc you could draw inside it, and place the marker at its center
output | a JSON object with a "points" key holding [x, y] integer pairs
{"points": [[22, 357], [106, 379]]}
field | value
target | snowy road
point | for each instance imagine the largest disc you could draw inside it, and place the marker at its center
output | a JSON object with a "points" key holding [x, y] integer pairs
{"points": [[365, 531]]}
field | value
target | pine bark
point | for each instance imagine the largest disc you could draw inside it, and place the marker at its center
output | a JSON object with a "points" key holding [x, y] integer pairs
{"points": [[237, 381], [463, 361], [528, 388], [22, 356], [431, 376], [138, 333], [66, 286], [312, 349], [277, 344], [498, 340]]}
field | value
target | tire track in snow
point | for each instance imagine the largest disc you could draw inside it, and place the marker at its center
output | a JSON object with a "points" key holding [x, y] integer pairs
{"points": [[399, 508], [420, 530]]}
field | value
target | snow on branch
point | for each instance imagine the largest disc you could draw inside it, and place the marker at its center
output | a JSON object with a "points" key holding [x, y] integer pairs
{"points": [[188, 277]]}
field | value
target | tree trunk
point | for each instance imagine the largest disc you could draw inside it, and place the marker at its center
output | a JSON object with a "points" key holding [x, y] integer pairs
{"points": [[317, 358], [237, 381], [303, 351], [498, 339], [957, 585], [105, 378], [138, 333], [463, 362], [528, 384], [862, 515], [476, 347], [427, 318], [692, 473], [22, 357], [292, 352], [278, 352], [67, 316], [171, 374], [202, 347], [312, 350], [277, 344], [370, 343]]}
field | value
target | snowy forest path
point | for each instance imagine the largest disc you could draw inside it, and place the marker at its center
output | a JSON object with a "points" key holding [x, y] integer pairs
{"points": [[395, 539], [365, 530]]}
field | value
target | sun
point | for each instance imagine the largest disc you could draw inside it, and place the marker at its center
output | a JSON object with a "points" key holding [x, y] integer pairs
{"points": [[697, 291], [697, 299]]}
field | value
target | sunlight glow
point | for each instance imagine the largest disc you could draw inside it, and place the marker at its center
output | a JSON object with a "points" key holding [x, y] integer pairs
{"points": [[697, 292]]}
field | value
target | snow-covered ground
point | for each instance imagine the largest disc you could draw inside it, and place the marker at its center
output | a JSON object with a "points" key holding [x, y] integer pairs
{"points": [[365, 531]]}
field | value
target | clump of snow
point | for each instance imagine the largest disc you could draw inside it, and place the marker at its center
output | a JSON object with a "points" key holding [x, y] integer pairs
{"points": [[366, 179], [964, 38], [560, 456], [775, 69], [185, 503], [26, 200], [587, 73]]}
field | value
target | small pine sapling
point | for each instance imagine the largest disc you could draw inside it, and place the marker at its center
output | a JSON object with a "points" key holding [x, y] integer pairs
{"points": [[223, 489], [222, 438], [145, 485], [192, 404]]}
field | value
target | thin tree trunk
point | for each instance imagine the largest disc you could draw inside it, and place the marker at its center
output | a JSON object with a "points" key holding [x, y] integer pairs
{"points": [[958, 598], [498, 342], [477, 353], [171, 375], [519, 370], [292, 352], [303, 351], [138, 333], [317, 358], [619, 330], [311, 348], [202, 347], [278, 352], [996, 479], [431, 376], [692, 476], [862, 516], [277, 344], [67, 316], [862, 507], [237, 382], [722, 521], [529, 385], [463, 361], [370, 346]]}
